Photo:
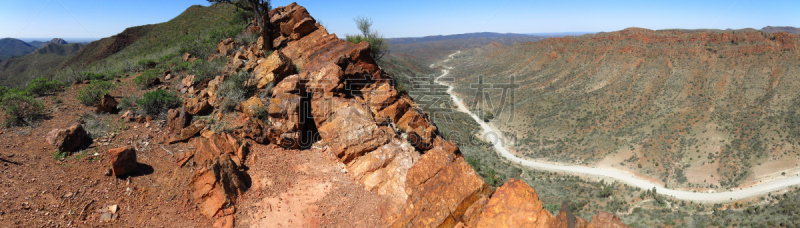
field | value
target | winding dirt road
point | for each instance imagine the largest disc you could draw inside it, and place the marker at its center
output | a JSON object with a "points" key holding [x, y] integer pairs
{"points": [[620, 175]]}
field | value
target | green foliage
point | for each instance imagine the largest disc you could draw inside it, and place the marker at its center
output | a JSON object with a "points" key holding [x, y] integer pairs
{"points": [[41, 86], [21, 109], [379, 47], [234, 90], [88, 75], [183, 66], [128, 103], [147, 63], [157, 102], [207, 70], [147, 76], [92, 94], [60, 155]]}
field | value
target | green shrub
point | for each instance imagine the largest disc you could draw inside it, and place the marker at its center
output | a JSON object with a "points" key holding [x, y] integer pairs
{"points": [[157, 102], [207, 70], [3, 91], [41, 86], [97, 76], [235, 90], [92, 94], [21, 109], [127, 103], [147, 63], [142, 80], [379, 47], [182, 66]]}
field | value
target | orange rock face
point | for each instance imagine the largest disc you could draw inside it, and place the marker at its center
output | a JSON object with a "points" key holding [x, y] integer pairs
{"points": [[515, 204], [330, 96]]}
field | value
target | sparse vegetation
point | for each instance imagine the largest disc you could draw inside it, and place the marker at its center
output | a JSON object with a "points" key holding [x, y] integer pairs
{"points": [[41, 86], [234, 90], [92, 94], [145, 80], [21, 109], [379, 47]]}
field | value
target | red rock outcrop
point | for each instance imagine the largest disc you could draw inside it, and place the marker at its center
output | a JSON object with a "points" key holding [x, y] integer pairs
{"points": [[330, 95]]}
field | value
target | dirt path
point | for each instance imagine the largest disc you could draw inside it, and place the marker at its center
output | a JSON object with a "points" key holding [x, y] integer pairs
{"points": [[489, 134]]}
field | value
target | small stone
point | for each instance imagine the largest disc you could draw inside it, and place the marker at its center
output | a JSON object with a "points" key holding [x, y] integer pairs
{"points": [[69, 194]]}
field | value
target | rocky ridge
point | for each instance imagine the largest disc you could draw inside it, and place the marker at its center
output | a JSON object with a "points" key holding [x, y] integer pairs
{"points": [[330, 98]]}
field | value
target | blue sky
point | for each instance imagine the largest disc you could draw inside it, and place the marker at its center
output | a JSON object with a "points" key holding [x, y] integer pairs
{"points": [[98, 19]]}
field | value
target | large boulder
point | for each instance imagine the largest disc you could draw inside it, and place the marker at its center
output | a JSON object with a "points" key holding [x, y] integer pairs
{"points": [[177, 119], [68, 140], [443, 199], [293, 21], [196, 106], [218, 180], [420, 128], [351, 131], [273, 69], [284, 113], [515, 204], [225, 46], [123, 161], [253, 107], [107, 104]]}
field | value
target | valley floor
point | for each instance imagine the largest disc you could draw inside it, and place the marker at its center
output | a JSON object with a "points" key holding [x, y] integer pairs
{"points": [[632, 179]]}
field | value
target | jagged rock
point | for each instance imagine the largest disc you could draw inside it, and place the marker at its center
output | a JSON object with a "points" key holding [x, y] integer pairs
{"points": [[351, 131], [196, 106], [251, 107], [443, 199], [284, 113], [420, 129], [177, 119], [254, 129], [107, 104], [70, 139], [217, 182], [189, 132], [293, 21], [273, 69], [123, 161], [225, 46], [129, 116], [515, 204], [384, 170]]}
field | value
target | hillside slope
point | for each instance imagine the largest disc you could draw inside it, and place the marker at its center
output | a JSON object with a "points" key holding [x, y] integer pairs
{"points": [[14, 47], [194, 30], [690, 109], [40, 63]]}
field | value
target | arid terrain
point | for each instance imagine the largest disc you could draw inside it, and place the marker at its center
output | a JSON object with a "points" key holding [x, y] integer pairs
{"points": [[311, 134], [690, 109]]}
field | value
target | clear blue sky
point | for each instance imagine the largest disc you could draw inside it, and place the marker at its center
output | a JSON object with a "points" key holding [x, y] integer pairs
{"points": [[97, 19]]}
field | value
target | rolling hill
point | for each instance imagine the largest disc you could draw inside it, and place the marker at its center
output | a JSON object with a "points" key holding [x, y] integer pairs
{"points": [[39, 63], [13, 47], [694, 109]]}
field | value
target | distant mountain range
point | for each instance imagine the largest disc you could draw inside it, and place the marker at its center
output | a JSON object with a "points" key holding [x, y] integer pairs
{"points": [[33, 60], [787, 29], [13, 47], [409, 40]]}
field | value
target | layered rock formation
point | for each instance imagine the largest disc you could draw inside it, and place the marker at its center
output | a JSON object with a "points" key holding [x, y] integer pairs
{"points": [[330, 96]]}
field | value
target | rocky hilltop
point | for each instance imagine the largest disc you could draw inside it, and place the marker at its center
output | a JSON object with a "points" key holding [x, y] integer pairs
{"points": [[321, 138], [330, 99]]}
